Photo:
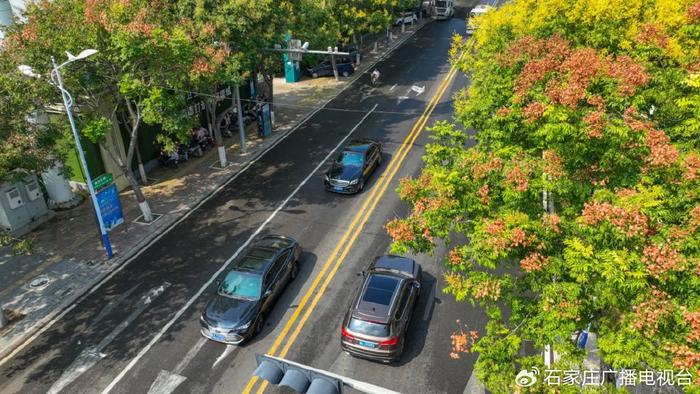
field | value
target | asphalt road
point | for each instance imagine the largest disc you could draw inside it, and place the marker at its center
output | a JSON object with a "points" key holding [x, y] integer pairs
{"points": [[139, 332]]}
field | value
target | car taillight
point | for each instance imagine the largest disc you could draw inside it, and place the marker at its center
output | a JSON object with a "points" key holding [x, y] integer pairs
{"points": [[389, 343], [346, 334]]}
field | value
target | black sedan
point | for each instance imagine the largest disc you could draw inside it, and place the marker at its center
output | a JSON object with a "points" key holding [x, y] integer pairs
{"points": [[325, 68], [354, 166], [249, 291]]}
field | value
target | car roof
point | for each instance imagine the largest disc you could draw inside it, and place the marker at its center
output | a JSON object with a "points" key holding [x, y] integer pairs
{"points": [[378, 297], [260, 255]]}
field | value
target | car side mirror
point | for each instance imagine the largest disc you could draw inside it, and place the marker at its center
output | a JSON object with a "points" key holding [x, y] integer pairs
{"points": [[268, 293], [416, 285], [218, 283]]}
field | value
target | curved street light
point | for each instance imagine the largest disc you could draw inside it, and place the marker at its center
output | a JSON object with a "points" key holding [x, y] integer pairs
{"points": [[68, 104]]}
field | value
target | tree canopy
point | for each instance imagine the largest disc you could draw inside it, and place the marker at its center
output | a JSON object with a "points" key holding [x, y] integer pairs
{"points": [[150, 54], [578, 191]]}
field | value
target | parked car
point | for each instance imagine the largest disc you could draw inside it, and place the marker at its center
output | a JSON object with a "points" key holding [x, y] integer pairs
{"points": [[354, 165], [345, 68], [375, 325], [249, 290], [406, 18]]}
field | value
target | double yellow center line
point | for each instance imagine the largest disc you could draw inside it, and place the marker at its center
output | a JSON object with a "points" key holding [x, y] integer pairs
{"points": [[346, 242]]}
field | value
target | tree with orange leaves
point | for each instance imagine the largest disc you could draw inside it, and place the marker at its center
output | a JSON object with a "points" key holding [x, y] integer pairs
{"points": [[593, 105]]}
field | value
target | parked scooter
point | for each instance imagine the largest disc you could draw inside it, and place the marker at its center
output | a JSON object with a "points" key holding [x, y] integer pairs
{"points": [[203, 139]]}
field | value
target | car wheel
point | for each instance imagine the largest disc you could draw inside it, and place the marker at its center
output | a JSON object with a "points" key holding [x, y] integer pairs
{"points": [[295, 271], [346, 74], [259, 324], [400, 353], [314, 75]]}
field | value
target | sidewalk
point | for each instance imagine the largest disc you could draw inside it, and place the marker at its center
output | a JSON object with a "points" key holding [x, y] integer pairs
{"points": [[69, 259]]}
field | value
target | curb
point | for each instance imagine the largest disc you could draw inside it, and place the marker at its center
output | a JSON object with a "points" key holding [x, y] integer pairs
{"points": [[116, 265]]}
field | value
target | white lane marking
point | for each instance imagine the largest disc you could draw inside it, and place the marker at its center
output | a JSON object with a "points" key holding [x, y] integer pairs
{"points": [[400, 99], [418, 89], [91, 355], [227, 351], [166, 382], [190, 355], [216, 191], [257, 231], [393, 87]]}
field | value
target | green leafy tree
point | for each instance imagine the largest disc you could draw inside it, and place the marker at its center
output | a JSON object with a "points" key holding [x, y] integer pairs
{"points": [[579, 198], [135, 75], [25, 145]]}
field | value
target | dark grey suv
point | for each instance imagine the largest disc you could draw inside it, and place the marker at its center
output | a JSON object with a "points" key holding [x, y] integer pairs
{"points": [[249, 290], [376, 324]]}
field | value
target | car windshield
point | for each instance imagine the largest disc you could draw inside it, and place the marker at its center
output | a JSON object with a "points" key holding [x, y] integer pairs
{"points": [[353, 159], [241, 285], [440, 4], [368, 328]]}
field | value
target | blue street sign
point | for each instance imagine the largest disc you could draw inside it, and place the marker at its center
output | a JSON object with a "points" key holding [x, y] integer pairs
{"points": [[110, 206]]}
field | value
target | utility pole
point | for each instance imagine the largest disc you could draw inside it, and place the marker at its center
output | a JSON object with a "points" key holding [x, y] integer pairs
{"points": [[547, 206], [333, 62], [239, 112]]}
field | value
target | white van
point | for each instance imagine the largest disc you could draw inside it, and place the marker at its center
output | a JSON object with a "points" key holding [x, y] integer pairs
{"points": [[443, 9], [473, 20]]}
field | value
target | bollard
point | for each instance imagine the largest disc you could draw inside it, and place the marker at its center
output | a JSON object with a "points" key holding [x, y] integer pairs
{"points": [[403, 27], [376, 47], [3, 320]]}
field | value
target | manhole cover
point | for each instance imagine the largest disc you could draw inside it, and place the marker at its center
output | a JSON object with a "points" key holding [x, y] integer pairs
{"points": [[39, 282]]}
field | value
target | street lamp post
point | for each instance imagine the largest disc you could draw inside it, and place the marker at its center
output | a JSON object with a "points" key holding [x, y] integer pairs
{"points": [[68, 104]]}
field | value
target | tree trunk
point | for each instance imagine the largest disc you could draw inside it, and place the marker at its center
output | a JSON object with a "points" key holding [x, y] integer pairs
{"points": [[142, 170], [129, 175], [135, 115], [269, 80], [215, 129]]}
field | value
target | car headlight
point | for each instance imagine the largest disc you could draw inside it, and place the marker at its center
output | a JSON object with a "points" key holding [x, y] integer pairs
{"points": [[354, 181], [244, 326]]}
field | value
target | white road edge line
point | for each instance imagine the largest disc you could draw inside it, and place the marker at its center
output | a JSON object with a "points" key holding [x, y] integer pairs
{"points": [[216, 191], [191, 301]]}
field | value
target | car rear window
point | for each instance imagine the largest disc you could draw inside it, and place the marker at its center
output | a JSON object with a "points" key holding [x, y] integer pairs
{"points": [[380, 289], [368, 328]]}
